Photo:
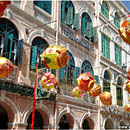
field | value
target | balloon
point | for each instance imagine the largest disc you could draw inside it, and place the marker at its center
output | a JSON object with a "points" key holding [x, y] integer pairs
{"points": [[129, 99], [95, 91], [127, 108], [85, 81], [125, 30], [54, 57], [3, 5], [48, 81], [127, 86], [76, 92], [6, 67], [106, 98], [128, 73]]}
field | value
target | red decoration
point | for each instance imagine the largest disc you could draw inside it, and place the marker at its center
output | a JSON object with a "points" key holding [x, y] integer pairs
{"points": [[3, 5], [95, 91], [106, 98], [127, 108], [127, 87], [85, 81], [125, 30]]}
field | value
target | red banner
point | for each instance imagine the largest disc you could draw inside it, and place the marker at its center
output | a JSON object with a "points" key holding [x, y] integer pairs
{"points": [[3, 5]]}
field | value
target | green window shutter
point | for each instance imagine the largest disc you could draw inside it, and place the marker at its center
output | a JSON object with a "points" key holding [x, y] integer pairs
{"points": [[116, 54], [69, 17], [39, 4], [107, 48], [61, 73], [88, 30], [120, 57], [20, 51], [102, 43], [76, 25], [76, 74], [49, 6], [83, 25], [11, 45], [62, 11], [96, 77], [6, 36], [34, 57]]}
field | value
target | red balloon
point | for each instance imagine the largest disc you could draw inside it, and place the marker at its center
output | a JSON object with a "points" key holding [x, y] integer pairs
{"points": [[3, 5], [85, 81], [128, 73], [127, 86]]}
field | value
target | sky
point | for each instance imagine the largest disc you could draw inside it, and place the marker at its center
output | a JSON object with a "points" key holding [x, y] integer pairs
{"points": [[127, 4]]}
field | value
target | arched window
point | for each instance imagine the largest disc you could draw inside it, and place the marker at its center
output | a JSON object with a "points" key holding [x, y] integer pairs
{"points": [[117, 20], [119, 92], [38, 46], [106, 82], [10, 45], [87, 67], [109, 124], [104, 9], [44, 5], [67, 12], [86, 26]]}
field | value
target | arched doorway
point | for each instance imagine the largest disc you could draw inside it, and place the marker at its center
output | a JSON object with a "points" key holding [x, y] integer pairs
{"points": [[38, 121], [88, 124], [3, 118], [122, 125], [66, 122], [85, 125], [109, 124]]}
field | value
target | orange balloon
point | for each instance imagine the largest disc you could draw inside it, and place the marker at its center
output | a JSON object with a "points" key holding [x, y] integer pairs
{"points": [[127, 108], [95, 91], [106, 98], [129, 99], [125, 30], [127, 86], [6, 67]]}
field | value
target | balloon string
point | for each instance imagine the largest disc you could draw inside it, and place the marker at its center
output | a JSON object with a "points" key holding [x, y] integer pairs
{"points": [[34, 97]]}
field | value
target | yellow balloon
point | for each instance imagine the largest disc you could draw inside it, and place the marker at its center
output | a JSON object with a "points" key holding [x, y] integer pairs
{"points": [[6, 67]]}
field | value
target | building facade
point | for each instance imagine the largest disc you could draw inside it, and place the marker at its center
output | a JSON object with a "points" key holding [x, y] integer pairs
{"points": [[27, 28], [113, 56]]}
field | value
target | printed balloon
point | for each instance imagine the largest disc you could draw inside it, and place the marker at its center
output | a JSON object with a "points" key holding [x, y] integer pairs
{"points": [[76, 92], [125, 30], [6, 67], [95, 91], [48, 81], [127, 108], [106, 98], [129, 99], [54, 57], [127, 87], [85, 81]]}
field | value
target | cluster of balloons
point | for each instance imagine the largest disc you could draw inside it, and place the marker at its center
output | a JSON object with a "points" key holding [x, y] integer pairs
{"points": [[85, 81]]}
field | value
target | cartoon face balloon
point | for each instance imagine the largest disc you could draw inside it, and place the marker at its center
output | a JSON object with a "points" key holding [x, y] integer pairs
{"points": [[76, 92], [95, 91], [6, 67], [127, 108], [54, 57], [125, 30], [85, 81], [127, 86], [48, 81], [3, 5], [106, 98]]}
